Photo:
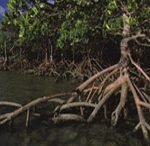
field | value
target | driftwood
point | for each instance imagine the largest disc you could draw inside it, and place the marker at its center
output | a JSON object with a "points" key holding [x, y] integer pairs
{"points": [[95, 92]]}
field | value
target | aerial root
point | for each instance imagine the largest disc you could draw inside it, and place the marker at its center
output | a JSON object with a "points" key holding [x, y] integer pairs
{"points": [[139, 68], [11, 104], [76, 104], [110, 89], [138, 126], [140, 93], [63, 104], [4, 118], [90, 92], [92, 95], [94, 77], [57, 100], [68, 117], [27, 118], [103, 83], [147, 97], [115, 114], [146, 105], [142, 121]]}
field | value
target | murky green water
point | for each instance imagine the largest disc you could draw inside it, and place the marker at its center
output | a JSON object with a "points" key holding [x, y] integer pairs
{"points": [[23, 88]]}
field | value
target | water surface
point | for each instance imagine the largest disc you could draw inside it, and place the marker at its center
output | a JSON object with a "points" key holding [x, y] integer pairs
{"points": [[22, 88]]}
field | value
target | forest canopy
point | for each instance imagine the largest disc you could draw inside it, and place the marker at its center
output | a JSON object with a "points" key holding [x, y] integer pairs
{"points": [[40, 29]]}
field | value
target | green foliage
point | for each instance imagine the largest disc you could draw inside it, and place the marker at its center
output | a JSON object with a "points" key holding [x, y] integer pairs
{"points": [[81, 23], [2, 40], [73, 31], [33, 27], [76, 24]]}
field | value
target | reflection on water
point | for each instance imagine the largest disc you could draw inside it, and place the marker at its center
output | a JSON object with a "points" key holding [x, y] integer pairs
{"points": [[23, 88]]}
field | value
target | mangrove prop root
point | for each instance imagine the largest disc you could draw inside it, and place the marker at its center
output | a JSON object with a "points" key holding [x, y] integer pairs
{"points": [[11, 104], [85, 102], [139, 110], [90, 80], [123, 96], [68, 105], [9, 116], [68, 117], [108, 92]]}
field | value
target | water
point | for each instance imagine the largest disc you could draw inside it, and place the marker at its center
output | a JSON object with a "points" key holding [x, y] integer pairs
{"points": [[23, 88]]}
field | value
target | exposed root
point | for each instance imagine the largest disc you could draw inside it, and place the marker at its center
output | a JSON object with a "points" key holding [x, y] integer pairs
{"points": [[90, 80], [95, 91], [106, 79], [27, 118], [146, 96], [139, 68], [57, 100], [146, 105], [68, 117], [76, 104], [9, 116], [115, 114], [107, 93], [139, 110], [12, 104], [140, 93], [90, 95]]}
